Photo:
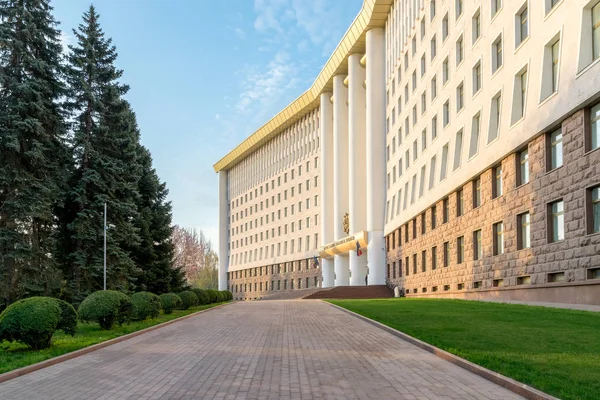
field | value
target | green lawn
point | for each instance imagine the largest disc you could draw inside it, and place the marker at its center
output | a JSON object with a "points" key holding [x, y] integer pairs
{"points": [[15, 355], [554, 350]]}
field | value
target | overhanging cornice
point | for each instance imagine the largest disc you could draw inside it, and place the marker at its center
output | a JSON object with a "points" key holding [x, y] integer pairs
{"points": [[373, 14]]}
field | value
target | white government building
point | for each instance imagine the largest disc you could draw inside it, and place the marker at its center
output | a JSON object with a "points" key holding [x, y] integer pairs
{"points": [[455, 142]]}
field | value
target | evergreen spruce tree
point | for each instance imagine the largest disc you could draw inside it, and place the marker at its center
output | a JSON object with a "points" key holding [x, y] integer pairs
{"points": [[33, 155], [104, 142], [154, 255]]}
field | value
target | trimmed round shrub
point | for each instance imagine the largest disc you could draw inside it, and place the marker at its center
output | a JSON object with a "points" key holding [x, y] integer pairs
{"points": [[188, 299], [145, 305], [170, 302], [212, 294], [31, 321], [106, 307], [228, 295], [203, 297], [68, 318], [220, 296]]}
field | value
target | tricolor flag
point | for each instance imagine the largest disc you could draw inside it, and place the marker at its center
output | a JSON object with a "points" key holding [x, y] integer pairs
{"points": [[358, 250], [315, 261]]}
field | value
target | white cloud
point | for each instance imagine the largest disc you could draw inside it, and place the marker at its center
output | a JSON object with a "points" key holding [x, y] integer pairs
{"points": [[240, 33]]}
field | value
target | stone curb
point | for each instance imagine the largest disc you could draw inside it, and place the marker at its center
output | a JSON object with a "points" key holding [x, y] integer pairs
{"points": [[56, 360], [514, 386]]}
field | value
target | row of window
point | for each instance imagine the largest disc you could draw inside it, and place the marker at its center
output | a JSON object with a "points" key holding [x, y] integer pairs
{"points": [[275, 269], [262, 253], [302, 283]]}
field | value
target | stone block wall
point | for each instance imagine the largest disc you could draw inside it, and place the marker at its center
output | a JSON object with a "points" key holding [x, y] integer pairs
{"points": [[517, 274], [257, 282]]}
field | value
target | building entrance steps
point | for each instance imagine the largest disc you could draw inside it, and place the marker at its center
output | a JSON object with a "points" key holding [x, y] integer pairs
{"points": [[353, 292]]}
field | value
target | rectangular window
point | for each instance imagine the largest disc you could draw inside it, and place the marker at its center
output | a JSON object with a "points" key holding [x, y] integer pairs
{"points": [[444, 166], [459, 8], [433, 127], [498, 244], [476, 192], [523, 160], [459, 50], [477, 245], [433, 47], [432, 172], [460, 249], [445, 28], [476, 25], [414, 263], [496, 6], [556, 149], [414, 80], [495, 118], [524, 232], [458, 150], [474, 145], [555, 65], [423, 65], [423, 223], [433, 88], [557, 221], [594, 141], [446, 113], [422, 182], [446, 210], [460, 97], [522, 26], [459, 203], [423, 103], [422, 29], [497, 181], [446, 254], [477, 77], [423, 140], [433, 217], [413, 189], [497, 54], [594, 210], [424, 261], [434, 257], [445, 71]]}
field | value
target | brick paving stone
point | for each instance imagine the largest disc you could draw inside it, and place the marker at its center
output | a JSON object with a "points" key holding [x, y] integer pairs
{"points": [[299, 349]]}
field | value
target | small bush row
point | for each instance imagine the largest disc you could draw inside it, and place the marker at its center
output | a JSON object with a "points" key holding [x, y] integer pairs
{"points": [[34, 320]]}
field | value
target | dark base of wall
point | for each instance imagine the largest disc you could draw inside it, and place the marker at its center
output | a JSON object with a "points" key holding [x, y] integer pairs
{"points": [[579, 293]]}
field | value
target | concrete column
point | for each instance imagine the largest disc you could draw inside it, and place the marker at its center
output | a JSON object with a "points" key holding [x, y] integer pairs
{"points": [[326, 147], [223, 231], [376, 175], [357, 163], [340, 174]]}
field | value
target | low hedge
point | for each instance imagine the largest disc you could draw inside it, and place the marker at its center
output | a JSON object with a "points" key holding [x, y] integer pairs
{"points": [[170, 302], [106, 307], [145, 305], [188, 299], [32, 321], [203, 297], [228, 295], [212, 294], [220, 297]]}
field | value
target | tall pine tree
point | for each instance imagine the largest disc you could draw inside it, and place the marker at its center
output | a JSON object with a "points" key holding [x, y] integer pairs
{"points": [[33, 156], [154, 255], [104, 141]]}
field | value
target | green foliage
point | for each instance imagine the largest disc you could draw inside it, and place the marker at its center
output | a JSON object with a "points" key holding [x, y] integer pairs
{"points": [[228, 295], [145, 305], [203, 297], [33, 157], [106, 307], [31, 321], [68, 318], [188, 299], [212, 294], [220, 296], [170, 302]]}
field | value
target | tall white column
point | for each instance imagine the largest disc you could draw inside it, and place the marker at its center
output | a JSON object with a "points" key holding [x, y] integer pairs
{"points": [[376, 190], [357, 163], [326, 143], [340, 174], [223, 231]]}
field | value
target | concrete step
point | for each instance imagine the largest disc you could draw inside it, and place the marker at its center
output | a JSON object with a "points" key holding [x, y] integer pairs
{"points": [[353, 292]]}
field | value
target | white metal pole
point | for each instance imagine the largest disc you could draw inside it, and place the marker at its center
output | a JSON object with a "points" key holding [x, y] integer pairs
{"points": [[105, 227]]}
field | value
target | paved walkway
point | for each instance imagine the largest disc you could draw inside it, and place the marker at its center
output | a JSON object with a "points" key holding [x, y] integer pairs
{"points": [[298, 349]]}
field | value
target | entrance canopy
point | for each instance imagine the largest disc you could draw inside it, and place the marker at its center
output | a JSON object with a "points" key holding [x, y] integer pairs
{"points": [[345, 245]]}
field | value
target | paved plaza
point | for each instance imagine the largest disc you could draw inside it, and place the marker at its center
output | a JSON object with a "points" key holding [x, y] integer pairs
{"points": [[300, 349]]}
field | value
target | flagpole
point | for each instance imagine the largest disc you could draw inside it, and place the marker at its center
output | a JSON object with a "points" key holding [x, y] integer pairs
{"points": [[104, 246]]}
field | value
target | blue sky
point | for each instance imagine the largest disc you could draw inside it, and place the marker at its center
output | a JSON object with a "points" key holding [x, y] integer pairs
{"points": [[206, 74]]}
